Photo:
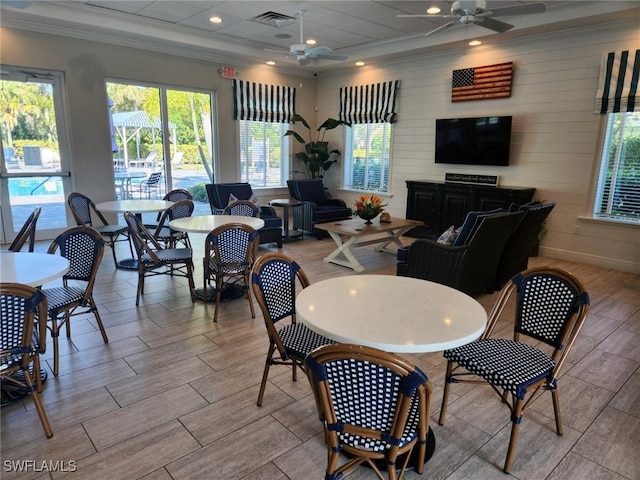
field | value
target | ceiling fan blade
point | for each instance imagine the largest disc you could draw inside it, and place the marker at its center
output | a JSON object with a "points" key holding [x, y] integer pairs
{"points": [[273, 50], [332, 56], [519, 9], [425, 16], [442, 27], [492, 24]]}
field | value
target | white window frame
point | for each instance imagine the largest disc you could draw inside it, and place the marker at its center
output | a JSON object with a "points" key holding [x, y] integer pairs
{"points": [[608, 210], [254, 179], [350, 160]]}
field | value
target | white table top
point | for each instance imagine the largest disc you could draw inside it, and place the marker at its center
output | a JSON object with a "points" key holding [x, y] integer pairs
{"points": [[395, 314], [135, 206], [32, 269], [206, 223]]}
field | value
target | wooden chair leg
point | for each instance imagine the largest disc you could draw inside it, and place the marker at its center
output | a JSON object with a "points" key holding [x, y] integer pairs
{"points": [[556, 410], [445, 394], [38, 403], [517, 417], [265, 374]]}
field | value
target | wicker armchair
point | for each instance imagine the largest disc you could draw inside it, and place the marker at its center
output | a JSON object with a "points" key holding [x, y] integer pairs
{"points": [[316, 206], [222, 194], [515, 256], [470, 268]]}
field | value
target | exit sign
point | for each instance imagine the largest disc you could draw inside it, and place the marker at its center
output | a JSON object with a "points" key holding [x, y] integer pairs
{"points": [[228, 72]]}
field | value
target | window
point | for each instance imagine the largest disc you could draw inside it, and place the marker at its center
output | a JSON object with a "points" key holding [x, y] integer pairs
{"points": [[264, 153], [618, 188], [367, 157]]}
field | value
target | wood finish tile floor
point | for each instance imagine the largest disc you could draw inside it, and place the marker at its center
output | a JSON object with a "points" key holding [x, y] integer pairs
{"points": [[173, 395]]}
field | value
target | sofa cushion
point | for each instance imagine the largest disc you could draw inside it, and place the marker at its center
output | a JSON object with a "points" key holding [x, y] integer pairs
{"points": [[402, 254], [331, 213], [271, 222]]}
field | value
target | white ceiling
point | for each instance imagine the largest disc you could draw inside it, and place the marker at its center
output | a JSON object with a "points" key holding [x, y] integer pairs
{"points": [[363, 30]]}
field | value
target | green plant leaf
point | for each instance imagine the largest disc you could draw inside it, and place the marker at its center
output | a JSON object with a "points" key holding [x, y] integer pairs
{"points": [[298, 118], [294, 135]]}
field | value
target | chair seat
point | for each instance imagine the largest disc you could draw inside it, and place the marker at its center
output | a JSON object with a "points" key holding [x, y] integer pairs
{"points": [[300, 340], [111, 229], [62, 296], [509, 365], [170, 255], [236, 267]]}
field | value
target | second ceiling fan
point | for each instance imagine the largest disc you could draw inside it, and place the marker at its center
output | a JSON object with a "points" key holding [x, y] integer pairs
{"points": [[465, 12], [305, 53]]}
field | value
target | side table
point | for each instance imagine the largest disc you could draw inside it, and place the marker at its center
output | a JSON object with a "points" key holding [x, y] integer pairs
{"points": [[285, 203]]}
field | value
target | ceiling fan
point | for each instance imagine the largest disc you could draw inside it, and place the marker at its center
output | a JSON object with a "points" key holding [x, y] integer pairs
{"points": [[305, 53], [475, 12]]}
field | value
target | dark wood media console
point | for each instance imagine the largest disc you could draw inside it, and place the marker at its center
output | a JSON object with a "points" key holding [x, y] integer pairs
{"points": [[440, 205]]}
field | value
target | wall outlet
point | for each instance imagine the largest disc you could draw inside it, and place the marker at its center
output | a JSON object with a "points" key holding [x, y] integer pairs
{"points": [[576, 229]]}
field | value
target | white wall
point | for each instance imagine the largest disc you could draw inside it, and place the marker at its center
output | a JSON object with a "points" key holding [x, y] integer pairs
{"points": [[555, 133], [555, 139]]}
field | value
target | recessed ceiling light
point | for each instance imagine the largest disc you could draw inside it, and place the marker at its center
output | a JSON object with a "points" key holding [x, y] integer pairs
{"points": [[433, 10], [475, 43], [360, 63], [311, 41], [271, 62], [215, 19]]}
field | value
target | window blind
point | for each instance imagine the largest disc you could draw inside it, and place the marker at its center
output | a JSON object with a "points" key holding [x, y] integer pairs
{"points": [[263, 103], [375, 103], [618, 84]]}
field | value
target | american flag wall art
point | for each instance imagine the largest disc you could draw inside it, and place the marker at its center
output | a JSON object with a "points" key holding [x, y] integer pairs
{"points": [[480, 83]]}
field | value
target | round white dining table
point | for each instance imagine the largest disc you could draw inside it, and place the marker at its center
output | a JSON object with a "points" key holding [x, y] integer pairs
{"points": [[391, 313], [206, 223], [134, 206], [31, 268]]}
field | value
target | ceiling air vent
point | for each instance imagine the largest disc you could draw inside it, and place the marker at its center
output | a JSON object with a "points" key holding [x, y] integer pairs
{"points": [[274, 19]]}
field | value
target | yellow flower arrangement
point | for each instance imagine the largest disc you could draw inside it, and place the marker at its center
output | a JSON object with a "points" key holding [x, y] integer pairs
{"points": [[368, 207]]}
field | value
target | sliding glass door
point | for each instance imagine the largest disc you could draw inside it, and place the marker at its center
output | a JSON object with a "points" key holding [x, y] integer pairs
{"points": [[162, 129], [35, 168]]}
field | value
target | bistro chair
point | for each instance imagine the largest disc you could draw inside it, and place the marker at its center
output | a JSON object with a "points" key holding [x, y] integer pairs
{"points": [[83, 247], [273, 280], [171, 196], [83, 208], [242, 208], [22, 340], [551, 307], [154, 260], [27, 232], [375, 405], [166, 235], [151, 184], [230, 251]]}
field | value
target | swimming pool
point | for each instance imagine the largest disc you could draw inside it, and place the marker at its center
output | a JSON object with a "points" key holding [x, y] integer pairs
{"points": [[35, 186]]}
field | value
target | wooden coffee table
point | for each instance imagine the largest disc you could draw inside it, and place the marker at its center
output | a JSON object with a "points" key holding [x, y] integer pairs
{"points": [[357, 234]]}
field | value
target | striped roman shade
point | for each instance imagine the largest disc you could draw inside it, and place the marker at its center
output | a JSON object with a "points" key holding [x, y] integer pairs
{"points": [[374, 103], [263, 103], [618, 85]]}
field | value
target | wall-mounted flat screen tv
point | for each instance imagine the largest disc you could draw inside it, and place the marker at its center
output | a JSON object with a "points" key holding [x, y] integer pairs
{"points": [[473, 141]]}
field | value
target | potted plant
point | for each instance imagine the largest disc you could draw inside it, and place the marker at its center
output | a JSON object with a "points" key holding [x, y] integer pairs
{"points": [[317, 158]]}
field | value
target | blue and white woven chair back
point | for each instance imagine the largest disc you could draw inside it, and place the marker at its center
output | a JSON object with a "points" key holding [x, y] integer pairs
{"points": [[181, 209], [81, 246], [177, 194], [276, 279], [546, 305], [80, 205], [243, 208], [15, 308], [233, 245]]}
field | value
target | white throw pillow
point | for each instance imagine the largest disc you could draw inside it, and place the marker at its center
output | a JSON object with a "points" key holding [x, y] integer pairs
{"points": [[448, 236], [253, 199]]}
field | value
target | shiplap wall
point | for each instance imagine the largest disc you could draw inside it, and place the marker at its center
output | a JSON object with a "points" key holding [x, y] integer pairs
{"points": [[555, 139]]}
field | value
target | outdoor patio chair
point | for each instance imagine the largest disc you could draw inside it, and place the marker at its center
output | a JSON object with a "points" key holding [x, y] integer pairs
{"points": [[83, 247], [273, 279], [154, 260], [27, 232], [83, 209], [22, 340], [230, 251], [551, 307], [375, 405], [149, 185]]}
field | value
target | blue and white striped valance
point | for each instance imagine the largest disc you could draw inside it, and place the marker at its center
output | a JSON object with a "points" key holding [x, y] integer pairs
{"points": [[618, 85], [263, 103], [374, 103]]}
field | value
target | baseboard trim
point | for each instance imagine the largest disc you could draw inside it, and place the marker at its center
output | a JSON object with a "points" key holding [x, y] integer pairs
{"points": [[612, 263]]}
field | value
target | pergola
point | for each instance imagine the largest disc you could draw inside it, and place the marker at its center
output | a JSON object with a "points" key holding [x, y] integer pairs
{"points": [[129, 124]]}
